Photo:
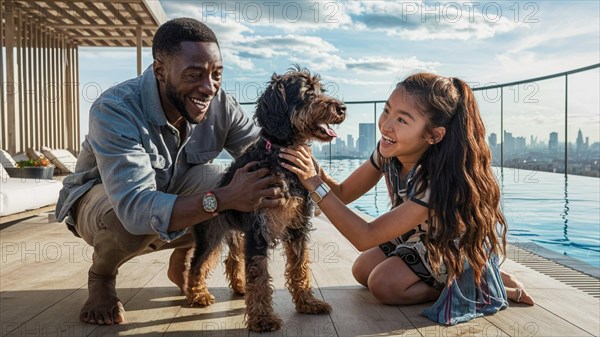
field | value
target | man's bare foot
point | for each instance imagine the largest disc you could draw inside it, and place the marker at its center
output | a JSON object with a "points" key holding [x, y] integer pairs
{"points": [[515, 289], [177, 272], [102, 306]]}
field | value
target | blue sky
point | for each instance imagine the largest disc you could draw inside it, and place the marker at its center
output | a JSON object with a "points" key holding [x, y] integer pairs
{"points": [[362, 49]]}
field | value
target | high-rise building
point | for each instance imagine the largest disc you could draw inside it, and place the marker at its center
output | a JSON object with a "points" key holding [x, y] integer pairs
{"points": [[520, 144], [366, 138], [493, 140], [338, 148], [580, 145], [509, 142], [553, 142], [533, 141], [350, 142], [316, 149]]}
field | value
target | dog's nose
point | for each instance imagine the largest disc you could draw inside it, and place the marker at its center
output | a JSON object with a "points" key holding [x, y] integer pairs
{"points": [[341, 110]]}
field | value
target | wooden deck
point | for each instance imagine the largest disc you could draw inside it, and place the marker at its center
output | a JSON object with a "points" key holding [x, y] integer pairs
{"points": [[43, 276]]}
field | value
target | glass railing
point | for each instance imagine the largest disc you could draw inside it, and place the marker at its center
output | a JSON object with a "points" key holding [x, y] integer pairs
{"points": [[549, 123]]}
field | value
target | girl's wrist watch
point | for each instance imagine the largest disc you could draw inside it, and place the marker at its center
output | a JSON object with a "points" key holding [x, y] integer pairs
{"points": [[319, 193]]}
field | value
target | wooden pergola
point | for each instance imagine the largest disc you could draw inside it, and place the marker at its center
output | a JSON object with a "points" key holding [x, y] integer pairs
{"points": [[39, 65]]}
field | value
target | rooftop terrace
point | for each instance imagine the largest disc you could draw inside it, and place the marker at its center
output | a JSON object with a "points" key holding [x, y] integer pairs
{"points": [[43, 277]]}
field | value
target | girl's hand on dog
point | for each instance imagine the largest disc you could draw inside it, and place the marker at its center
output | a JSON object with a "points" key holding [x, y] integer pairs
{"points": [[301, 162], [248, 190]]}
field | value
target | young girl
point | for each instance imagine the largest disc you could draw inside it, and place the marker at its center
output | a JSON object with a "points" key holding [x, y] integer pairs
{"points": [[445, 230]]}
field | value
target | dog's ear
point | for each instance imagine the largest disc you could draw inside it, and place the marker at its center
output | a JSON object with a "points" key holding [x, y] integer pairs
{"points": [[272, 111]]}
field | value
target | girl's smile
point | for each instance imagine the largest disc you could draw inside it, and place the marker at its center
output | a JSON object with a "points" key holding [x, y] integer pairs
{"points": [[403, 128]]}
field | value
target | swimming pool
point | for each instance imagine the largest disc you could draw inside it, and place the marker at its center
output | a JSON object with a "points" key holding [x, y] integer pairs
{"points": [[557, 213]]}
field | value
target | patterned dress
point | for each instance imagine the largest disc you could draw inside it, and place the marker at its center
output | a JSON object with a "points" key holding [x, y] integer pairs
{"points": [[410, 246], [460, 300]]}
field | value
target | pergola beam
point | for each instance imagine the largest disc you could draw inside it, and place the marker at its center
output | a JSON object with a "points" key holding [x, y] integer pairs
{"points": [[109, 38], [12, 108], [101, 26], [139, 50], [39, 66], [113, 1]]}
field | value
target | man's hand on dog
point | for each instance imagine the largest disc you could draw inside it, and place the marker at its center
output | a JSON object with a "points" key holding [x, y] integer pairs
{"points": [[248, 190]]}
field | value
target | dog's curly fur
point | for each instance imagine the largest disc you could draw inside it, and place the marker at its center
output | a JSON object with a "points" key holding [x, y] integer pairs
{"points": [[293, 110]]}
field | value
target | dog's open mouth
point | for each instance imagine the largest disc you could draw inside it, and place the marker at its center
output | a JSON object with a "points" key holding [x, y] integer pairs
{"points": [[324, 132], [326, 129]]}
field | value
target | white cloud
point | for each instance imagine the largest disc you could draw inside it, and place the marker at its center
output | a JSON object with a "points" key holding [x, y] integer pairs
{"points": [[234, 59], [121, 60], [320, 55], [288, 16], [226, 31], [309, 51], [365, 47], [354, 80], [415, 20], [553, 36], [236, 24], [380, 64], [411, 20], [114, 54], [319, 61], [515, 66], [290, 43]]}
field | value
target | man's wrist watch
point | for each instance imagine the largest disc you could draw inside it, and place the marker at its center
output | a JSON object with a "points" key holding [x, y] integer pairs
{"points": [[209, 202], [319, 193]]}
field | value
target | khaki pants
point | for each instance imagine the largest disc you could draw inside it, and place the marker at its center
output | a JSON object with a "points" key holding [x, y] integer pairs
{"points": [[98, 225]]}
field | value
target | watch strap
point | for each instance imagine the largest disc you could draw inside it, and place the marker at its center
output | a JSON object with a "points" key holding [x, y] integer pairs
{"points": [[319, 193]]}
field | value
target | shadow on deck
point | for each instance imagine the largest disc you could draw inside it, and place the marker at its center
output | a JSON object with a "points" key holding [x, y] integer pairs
{"points": [[43, 277]]}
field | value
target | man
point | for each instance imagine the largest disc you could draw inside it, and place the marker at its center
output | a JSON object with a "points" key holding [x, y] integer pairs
{"points": [[144, 174]]}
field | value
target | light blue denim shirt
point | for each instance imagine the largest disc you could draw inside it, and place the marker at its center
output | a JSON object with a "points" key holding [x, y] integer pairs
{"points": [[135, 153]]}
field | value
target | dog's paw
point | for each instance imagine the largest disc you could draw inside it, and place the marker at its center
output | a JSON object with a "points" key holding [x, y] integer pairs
{"points": [[313, 306], [264, 323], [200, 299], [238, 286]]}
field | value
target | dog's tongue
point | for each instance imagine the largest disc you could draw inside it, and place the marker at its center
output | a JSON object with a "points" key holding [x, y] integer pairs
{"points": [[328, 130]]}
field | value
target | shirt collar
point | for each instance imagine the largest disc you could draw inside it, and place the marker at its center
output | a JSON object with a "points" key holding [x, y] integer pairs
{"points": [[150, 96]]}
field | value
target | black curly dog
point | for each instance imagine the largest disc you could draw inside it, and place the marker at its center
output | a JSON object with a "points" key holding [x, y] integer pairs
{"points": [[293, 110]]}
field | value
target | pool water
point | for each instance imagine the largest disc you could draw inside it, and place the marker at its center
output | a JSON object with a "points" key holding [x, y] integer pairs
{"points": [[557, 213], [560, 214]]}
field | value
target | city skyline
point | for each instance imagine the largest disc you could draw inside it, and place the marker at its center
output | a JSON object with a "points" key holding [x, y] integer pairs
{"points": [[554, 137], [583, 157], [518, 118], [533, 140]]}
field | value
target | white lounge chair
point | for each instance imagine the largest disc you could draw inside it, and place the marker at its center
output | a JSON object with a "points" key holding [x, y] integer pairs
{"points": [[20, 198]]}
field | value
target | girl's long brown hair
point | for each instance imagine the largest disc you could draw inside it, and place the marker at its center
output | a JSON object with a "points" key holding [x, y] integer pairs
{"points": [[466, 221]]}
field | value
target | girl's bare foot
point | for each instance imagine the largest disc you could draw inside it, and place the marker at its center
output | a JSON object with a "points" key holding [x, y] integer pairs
{"points": [[515, 289], [519, 295], [102, 306]]}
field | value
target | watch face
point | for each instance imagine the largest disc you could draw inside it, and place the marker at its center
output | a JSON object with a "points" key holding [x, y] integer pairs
{"points": [[314, 196], [209, 202]]}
